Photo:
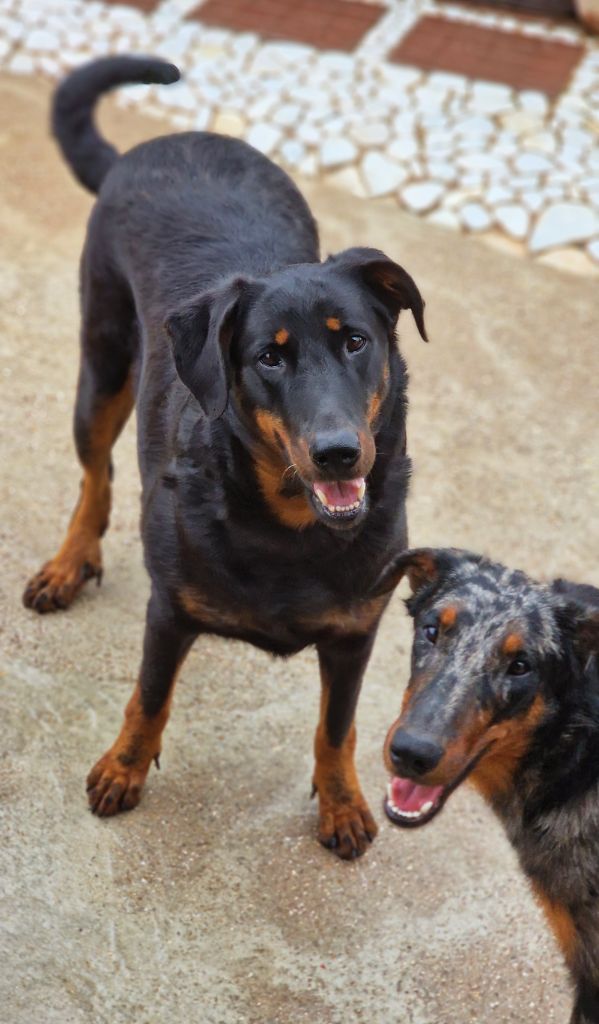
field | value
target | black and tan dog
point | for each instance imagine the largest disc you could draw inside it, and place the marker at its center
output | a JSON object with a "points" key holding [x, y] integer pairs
{"points": [[271, 403], [504, 690]]}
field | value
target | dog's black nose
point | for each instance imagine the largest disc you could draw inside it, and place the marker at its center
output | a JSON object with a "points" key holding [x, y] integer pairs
{"points": [[413, 755], [336, 452]]}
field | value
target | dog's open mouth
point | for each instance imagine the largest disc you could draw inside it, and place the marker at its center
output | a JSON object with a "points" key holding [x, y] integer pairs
{"points": [[409, 804], [340, 500]]}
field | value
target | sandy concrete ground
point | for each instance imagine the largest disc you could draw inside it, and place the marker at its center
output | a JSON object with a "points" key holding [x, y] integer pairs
{"points": [[213, 902]]}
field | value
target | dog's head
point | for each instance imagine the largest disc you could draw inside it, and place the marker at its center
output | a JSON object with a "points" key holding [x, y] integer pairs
{"points": [[490, 663], [304, 356]]}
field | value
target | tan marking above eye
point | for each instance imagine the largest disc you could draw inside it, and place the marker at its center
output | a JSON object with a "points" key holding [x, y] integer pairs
{"points": [[448, 616], [282, 336], [333, 323], [513, 643]]}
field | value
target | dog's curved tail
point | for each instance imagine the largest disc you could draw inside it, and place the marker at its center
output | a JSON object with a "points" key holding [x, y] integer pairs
{"points": [[89, 156]]}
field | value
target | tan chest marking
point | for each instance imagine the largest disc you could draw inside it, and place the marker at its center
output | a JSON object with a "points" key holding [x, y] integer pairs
{"points": [[361, 618], [199, 608], [561, 923]]}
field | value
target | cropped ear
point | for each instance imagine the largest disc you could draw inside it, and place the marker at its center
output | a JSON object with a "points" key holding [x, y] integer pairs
{"points": [[390, 284], [201, 336], [423, 567]]}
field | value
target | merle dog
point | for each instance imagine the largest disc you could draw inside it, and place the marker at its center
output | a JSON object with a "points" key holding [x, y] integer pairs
{"points": [[504, 690], [271, 405]]}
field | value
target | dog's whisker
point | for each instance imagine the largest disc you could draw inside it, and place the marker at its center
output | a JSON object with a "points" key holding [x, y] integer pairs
{"points": [[291, 469]]}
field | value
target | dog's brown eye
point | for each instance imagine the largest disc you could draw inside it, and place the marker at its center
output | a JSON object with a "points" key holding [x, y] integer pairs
{"points": [[431, 633], [519, 667], [355, 343], [270, 358]]}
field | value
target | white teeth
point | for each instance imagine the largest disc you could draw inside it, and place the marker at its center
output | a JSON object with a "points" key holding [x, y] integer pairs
{"points": [[406, 814], [334, 508]]}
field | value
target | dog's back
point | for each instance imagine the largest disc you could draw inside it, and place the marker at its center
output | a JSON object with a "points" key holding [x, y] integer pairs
{"points": [[88, 154], [181, 211], [173, 213]]}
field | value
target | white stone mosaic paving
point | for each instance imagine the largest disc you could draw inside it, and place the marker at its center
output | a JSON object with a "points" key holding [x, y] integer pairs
{"points": [[474, 156]]}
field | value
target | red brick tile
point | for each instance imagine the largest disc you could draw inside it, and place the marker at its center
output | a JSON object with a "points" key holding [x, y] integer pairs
{"points": [[327, 24], [555, 9], [522, 62]]}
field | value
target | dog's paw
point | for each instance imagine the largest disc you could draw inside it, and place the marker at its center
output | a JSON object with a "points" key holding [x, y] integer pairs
{"points": [[113, 786], [346, 828], [59, 581]]}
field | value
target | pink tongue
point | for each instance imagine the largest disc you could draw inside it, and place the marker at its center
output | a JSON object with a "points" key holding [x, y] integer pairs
{"points": [[408, 796], [340, 492]]}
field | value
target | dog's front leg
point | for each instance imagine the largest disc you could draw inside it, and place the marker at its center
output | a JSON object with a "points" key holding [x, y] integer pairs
{"points": [[346, 824], [115, 782], [586, 1007]]}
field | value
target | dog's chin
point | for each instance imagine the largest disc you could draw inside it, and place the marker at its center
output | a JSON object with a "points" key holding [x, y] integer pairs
{"points": [[339, 504]]}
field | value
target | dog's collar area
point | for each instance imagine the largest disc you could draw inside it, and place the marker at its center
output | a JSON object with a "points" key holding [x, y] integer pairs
{"points": [[340, 499]]}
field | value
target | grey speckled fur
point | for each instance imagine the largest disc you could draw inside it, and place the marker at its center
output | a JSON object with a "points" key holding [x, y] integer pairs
{"points": [[550, 809]]}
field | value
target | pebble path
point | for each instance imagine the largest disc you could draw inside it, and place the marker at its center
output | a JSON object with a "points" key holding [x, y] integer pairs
{"points": [[516, 168]]}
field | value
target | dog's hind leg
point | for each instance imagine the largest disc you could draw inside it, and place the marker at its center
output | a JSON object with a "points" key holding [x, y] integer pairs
{"points": [[345, 822], [115, 782], [104, 400]]}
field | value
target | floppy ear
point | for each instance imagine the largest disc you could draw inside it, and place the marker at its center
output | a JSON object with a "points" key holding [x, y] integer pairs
{"points": [[578, 615], [391, 285], [579, 627], [423, 567], [585, 632], [588, 633], [200, 336]]}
